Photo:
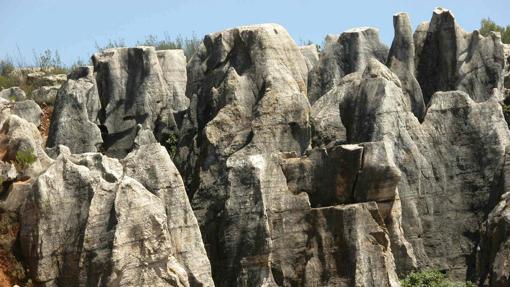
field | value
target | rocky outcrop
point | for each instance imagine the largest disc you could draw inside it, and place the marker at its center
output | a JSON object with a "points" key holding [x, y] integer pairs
{"points": [[14, 94], [401, 62], [138, 86], [433, 167], [76, 114], [336, 238], [494, 252], [350, 168], [119, 230], [238, 81], [447, 58], [45, 95], [345, 54]]}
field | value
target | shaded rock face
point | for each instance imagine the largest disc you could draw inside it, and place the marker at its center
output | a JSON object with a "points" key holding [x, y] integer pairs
{"points": [[345, 54], [123, 227], [449, 59], [401, 62], [136, 89], [245, 149], [494, 250], [248, 100], [445, 185], [75, 116]]}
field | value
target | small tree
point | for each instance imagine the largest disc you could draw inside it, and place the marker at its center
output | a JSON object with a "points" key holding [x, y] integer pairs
{"points": [[25, 157], [487, 25]]}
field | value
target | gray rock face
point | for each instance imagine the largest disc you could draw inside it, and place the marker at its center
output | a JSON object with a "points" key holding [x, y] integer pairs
{"points": [[327, 124], [345, 54], [45, 95], [445, 185], [335, 239], [450, 59], [75, 115], [13, 94], [494, 254], [238, 81], [138, 86], [119, 230], [401, 62], [311, 55], [507, 68]]}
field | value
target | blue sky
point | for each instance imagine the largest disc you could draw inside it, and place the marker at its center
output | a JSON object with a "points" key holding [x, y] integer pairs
{"points": [[74, 27]]}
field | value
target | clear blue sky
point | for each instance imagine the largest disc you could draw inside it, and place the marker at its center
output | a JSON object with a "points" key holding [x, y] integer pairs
{"points": [[74, 27]]}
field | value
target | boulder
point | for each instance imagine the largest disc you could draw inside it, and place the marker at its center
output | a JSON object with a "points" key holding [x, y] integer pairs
{"points": [[14, 94], [45, 95]]}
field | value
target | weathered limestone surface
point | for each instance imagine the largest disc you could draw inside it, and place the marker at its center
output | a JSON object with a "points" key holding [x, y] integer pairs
{"points": [[14, 94], [447, 58], [345, 54], [401, 62], [138, 86], [445, 183], [335, 238], [75, 115], [118, 230], [351, 167], [494, 253]]}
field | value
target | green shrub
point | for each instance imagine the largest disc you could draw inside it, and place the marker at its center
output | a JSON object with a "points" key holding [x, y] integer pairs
{"points": [[25, 157], [8, 82], [431, 279], [487, 25], [6, 67], [171, 145], [188, 45]]}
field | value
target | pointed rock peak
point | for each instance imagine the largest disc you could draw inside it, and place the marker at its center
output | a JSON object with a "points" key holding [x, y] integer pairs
{"points": [[402, 20], [376, 69], [442, 16]]}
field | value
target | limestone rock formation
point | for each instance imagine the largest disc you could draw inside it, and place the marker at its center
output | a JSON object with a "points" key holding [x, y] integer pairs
{"points": [[494, 254], [118, 230], [433, 167], [401, 62], [45, 95], [75, 115], [14, 94], [350, 167], [138, 86], [447, 58], [345, 54]]}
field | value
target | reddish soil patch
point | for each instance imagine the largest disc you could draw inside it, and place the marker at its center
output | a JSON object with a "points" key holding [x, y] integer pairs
{"points": [[45, 121], [11, 271]]}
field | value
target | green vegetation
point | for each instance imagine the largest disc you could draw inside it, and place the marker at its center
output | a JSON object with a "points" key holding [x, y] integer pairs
{"points": [[431, 279], [171, 145], [487, 25], [25, 157], [188, 45]]}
